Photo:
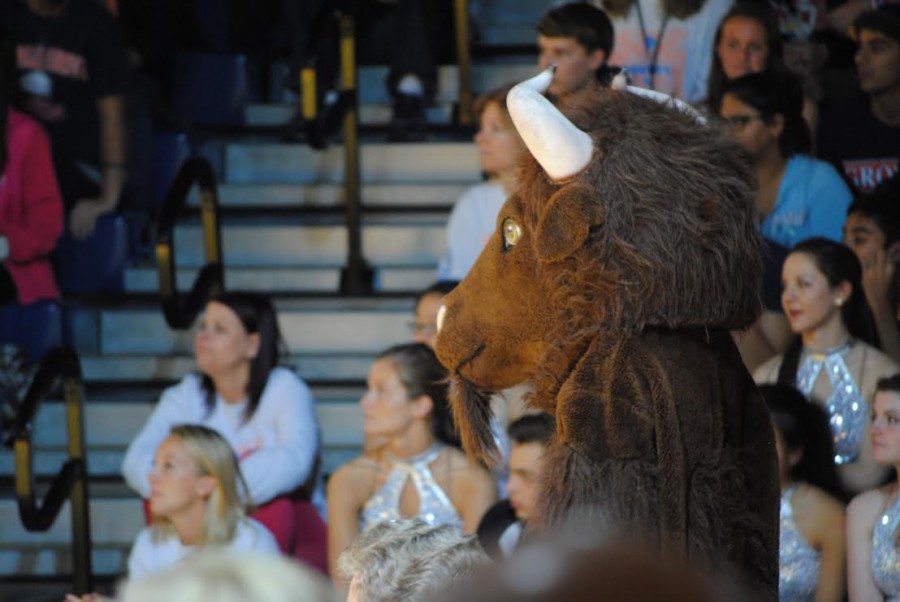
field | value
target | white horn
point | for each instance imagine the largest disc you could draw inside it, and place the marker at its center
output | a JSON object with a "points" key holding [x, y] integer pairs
{"points": [[620, 82], [561, 148]]}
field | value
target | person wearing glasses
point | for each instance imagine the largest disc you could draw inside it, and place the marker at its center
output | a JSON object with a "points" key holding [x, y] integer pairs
{"points": [[428, 304], [798, 197]]}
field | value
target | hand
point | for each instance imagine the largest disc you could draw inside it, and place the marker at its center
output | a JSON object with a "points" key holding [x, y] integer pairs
{"points": [[84, 217], [878, 273]]}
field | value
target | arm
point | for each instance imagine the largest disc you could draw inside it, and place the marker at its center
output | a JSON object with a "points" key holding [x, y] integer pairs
{"points": [[861, 514], [36, 235], [474, 493], [831, 540], [878, 274], [766, 338], [174, 407], [768, 372], [113, 168], [280, 468], [841, 17], [344, 505]]}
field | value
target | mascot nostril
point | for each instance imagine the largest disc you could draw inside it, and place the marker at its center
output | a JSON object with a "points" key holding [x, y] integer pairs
{"points": [[617, 269]]}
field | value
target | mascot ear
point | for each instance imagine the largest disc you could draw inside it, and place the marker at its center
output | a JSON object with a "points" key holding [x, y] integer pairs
{"points": [[567, 218]]}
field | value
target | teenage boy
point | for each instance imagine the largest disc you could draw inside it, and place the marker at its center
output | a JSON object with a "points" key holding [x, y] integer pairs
{"points": [[578, 39], [862, 137]]}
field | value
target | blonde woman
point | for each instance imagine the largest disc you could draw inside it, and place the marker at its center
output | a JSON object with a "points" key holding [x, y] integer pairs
{"points": [[196, 503]]}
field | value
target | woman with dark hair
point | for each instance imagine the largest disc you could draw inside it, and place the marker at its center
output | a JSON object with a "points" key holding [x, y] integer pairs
{"points": [[31, 209], [263, 410], [832, 362], [812, 541], [419, 472], [747, 41], [798, 196], [873, 517]]}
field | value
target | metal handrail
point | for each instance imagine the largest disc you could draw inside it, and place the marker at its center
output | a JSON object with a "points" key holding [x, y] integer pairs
{"points": [[181, 310], [71, 481], [463, 62], [357, 275]]}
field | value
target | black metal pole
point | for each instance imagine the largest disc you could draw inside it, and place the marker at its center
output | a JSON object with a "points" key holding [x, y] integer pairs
{"points": [[357, 276]]}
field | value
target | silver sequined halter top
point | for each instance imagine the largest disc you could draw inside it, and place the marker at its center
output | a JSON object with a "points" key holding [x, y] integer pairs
{"points": [[885, 555], [435, 508], [846, 407], [799, 563]]}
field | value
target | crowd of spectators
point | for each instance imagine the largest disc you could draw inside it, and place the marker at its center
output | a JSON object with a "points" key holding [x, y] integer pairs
{"points": [[228, 459]]}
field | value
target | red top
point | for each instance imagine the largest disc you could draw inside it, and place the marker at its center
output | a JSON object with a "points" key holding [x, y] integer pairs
{"points": [[31, 209]]}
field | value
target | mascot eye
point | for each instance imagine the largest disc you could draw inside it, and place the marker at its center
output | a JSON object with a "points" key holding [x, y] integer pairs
{"points": [[512, 232]]}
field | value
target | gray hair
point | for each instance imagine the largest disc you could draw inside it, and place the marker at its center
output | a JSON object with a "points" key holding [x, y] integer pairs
{"points": [[409, 560]]}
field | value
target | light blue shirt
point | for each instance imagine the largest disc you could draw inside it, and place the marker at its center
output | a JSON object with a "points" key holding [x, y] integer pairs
{"points": [[812, 201]]}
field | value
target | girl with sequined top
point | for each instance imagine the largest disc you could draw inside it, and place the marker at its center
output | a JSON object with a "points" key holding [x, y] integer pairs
{"points": [[832, 361], [419, 471], [873, 517], [812, 550]]}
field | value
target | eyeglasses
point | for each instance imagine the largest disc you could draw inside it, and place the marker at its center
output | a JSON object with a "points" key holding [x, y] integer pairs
{"points": [[421, 328], [739, 122]]}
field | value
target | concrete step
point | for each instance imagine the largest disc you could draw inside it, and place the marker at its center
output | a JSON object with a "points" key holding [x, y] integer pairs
{"points": [[436, 162], [369, 114], [286, 280], [518, 34], [485, 75], [52, 558], [292, 245], [110, 426], [419, 195], [170, 367], [328, 326]]}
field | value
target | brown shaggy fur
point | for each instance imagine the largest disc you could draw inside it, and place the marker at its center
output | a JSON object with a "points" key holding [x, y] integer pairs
{"points": [[616, 303]]}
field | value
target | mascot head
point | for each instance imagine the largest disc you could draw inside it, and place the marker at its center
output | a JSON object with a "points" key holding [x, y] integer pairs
{"points": [[629, 214]]}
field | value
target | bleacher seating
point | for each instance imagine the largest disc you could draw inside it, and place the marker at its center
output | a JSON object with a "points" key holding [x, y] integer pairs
{"points": [[211, 89], [35, 328], [128, 353], [96, 264], [170, 150]]}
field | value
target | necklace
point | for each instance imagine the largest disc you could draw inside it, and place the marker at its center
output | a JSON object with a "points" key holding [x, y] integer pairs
{"points": [[837, 349], [652, 46]]}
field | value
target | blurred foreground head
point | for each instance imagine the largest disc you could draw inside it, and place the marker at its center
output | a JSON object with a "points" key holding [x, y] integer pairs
{"points": [[617, 571], [227, 577]]}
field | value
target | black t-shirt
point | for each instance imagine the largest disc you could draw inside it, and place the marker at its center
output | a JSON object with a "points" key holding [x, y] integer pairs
{"points": [[865, 151], [65, 65]]}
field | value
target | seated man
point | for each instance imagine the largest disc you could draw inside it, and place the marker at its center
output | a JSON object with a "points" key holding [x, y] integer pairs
{"points": [[500, 531], [862, 137], [873, 232]]}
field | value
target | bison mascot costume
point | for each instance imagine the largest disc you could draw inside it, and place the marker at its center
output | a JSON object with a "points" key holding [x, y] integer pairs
{"points": [[611, 283]]}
